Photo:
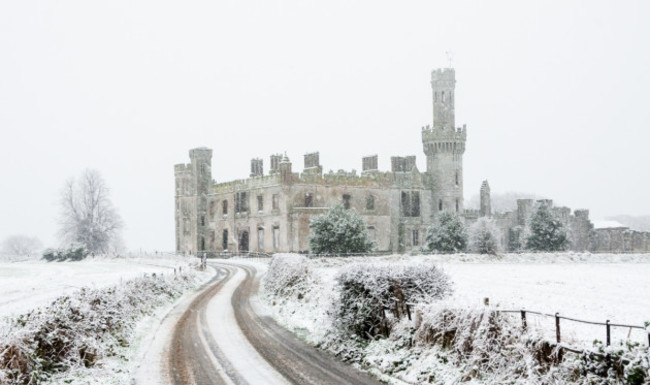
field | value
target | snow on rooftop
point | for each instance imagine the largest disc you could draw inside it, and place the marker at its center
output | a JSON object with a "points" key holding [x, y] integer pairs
{"points": [[607, 224]]}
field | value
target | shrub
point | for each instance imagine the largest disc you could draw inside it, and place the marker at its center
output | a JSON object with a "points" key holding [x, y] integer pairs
{"points": [[73, 253], [339, 231], [366, 289], [447, 235], [288, 274]]}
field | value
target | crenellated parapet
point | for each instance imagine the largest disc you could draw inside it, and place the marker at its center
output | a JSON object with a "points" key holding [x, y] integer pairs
{"points": [[247, 184], [437, 140]]}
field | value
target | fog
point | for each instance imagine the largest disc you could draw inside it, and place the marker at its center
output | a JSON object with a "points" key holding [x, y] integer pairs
{"points": [[554, 95]]}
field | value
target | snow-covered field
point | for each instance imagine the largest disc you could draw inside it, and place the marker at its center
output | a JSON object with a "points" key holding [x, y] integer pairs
{"points": [[30, 284], [589, 287]]}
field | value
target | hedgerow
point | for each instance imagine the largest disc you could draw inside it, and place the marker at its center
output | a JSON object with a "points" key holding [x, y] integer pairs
{"points": [[79, 330], [367, 290]]}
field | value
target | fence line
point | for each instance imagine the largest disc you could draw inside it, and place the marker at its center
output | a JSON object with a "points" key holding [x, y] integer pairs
{"points": [[608, 325]]}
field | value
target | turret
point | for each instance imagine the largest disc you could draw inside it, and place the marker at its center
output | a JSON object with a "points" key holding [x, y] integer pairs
{"points": [[444, 145], [443, 84], [201, 167], [486, 204]]}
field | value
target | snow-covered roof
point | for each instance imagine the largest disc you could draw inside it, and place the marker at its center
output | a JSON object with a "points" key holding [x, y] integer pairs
{"points": [[607, 224]]}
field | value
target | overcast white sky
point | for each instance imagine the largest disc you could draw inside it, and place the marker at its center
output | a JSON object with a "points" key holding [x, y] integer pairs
{"points": [[554, 95]]}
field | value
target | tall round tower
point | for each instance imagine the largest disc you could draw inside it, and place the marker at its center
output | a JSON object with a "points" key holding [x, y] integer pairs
{"points": [[444, 145]]}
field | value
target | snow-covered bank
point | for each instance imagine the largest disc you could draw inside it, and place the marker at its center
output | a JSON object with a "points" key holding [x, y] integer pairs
{"points": [[584, 286], [91, 335], [30, 284]]}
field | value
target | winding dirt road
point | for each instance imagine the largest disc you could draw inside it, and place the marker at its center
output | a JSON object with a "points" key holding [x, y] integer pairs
{"points": [[222, 338]]}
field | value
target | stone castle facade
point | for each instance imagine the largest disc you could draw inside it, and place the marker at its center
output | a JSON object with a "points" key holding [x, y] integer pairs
{"points": [[271, 212]]}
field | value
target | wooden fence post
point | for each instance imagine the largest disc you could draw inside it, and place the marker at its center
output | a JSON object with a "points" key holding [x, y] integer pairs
{"points": [[523, 319], [557, 327], [607, 327]]}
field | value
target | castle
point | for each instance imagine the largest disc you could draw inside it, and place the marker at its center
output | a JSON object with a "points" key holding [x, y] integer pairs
{"points": [[271, 213]]}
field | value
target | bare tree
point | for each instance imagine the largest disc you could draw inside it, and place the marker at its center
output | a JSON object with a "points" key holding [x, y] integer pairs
{"points": [[88, 217], [21, 245]]}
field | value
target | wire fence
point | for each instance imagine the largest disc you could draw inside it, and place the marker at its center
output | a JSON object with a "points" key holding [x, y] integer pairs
{"points": [[607, 327]]}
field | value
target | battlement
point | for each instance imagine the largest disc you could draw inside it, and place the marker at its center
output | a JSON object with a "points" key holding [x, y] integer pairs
{"points": [[182, 168], [245, 184], [436, 140], [435, 134], [443, 75], [200, 152]]}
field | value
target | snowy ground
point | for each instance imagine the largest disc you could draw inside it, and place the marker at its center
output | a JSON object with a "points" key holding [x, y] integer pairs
{"points": [[583, 286], [30, 284], [592, 287]]}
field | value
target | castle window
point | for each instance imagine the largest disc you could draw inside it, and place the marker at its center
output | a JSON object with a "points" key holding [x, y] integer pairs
{"points": [[260, 203], [202, 220], [443, 96], [224, 240], [309, 200], [276, 202], [372, 233], [416, 237], [410, 203], [224, 207], [346, 201], [212, 209], [260, 238], [370, 202], [276, 237], [202, 243], [241, 202], [440, 205], [457, 179], [457, 206]]}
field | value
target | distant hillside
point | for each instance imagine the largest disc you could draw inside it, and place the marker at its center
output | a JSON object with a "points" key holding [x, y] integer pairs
{"points": [[501, 202], [640, 223]]}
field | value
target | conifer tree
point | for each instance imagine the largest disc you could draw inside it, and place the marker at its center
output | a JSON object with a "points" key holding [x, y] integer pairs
{"points": [[547, 233], [339, 231], [484, 236], [447, 235]]}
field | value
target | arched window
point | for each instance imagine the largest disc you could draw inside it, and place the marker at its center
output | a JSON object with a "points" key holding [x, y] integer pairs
{"points": [[457, 179], [309, 200], [346, 201], [224, 240], [370, 202]]}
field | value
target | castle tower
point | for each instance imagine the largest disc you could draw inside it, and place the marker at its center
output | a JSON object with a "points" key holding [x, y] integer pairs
{"points": [[486, 204], [193, 182], [201, 166], [444, 145]]}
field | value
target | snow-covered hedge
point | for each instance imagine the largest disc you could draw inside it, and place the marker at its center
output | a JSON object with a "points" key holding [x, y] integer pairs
{"points": [[367, 289], [80, 329], [288, 275]]}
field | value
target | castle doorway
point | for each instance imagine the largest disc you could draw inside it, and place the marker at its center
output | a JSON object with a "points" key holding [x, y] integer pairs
{"points": [[243, 241]]}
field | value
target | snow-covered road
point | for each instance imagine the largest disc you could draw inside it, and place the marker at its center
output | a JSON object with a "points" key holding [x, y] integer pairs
{"points": [[223, 335]]}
